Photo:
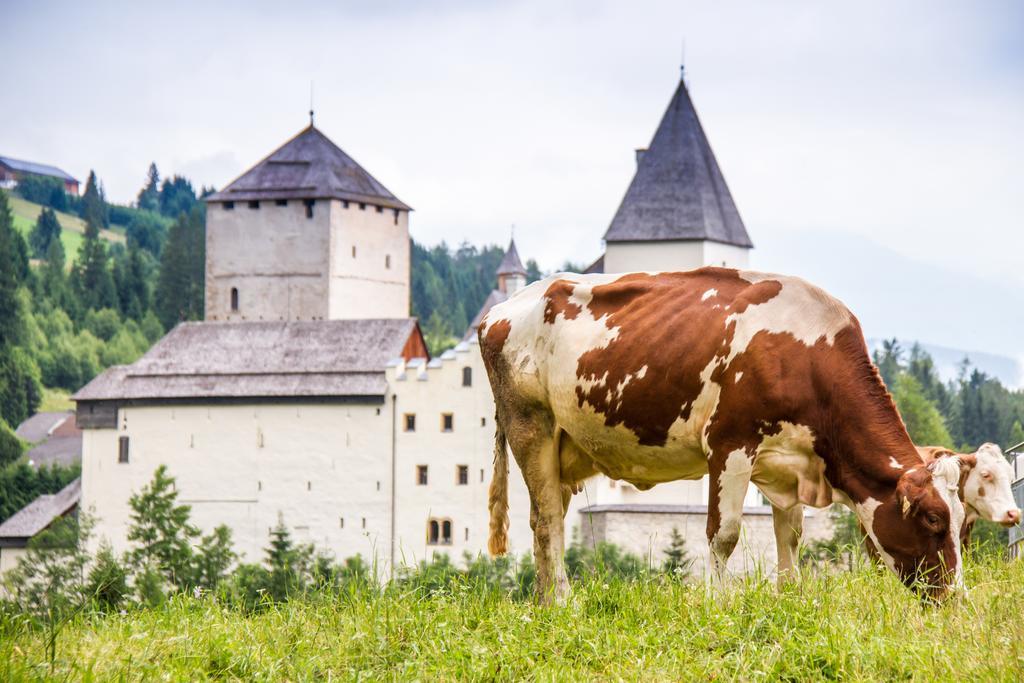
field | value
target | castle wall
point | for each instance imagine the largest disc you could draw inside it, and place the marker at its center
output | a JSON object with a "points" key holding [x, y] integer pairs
{"points": [[369, 262], [313, 465], [275, 256]]}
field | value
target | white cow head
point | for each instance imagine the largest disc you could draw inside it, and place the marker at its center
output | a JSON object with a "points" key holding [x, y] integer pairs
{"points": [[987, 487]]}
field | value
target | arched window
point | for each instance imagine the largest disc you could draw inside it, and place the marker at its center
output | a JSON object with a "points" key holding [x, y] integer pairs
{"points": [[234, 298], [439, 531], [467, 376]]}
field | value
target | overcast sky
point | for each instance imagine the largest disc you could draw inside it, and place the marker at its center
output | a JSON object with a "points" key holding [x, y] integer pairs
{"points": [[899, 124]]}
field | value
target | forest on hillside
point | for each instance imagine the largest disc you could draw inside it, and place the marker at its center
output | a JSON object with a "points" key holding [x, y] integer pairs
{"points": [[65, 317]]}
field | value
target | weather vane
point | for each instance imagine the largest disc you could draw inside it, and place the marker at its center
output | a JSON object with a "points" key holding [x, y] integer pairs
{"points": [[311, 103]]}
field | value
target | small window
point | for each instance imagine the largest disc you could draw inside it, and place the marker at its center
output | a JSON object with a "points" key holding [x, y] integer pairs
{"points": [[467, 376], [254, 205], [362, 207], [481, 475], [380, 209], [421, 475], [234, 298], [344, 203], [229, 206], [364, 522], [439, 531], [447, 422], [309, 207], [467, 533], [463, 478], [410, 422], [387, 260], [483, 421], [353, 251], [281, 202], [341, 522], [396, 216], [122, 449]]}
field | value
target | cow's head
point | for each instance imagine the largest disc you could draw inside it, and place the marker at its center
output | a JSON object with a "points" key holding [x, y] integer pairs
{"points": [[987, 486], [918, 528]]}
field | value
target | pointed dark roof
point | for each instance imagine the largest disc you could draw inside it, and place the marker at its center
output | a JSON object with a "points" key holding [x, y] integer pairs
{"points": [[678, 192], [309, 166], [511, 265]]}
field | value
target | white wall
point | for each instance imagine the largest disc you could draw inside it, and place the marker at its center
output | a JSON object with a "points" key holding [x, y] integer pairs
{"points": [[429, 392], [627, 257], [9, 560], [290, 267], [316, 465], [373, 283], [274, 255]]}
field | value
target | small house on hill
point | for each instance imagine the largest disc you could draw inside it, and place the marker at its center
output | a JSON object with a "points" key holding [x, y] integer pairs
{"points": [[13, 170]]}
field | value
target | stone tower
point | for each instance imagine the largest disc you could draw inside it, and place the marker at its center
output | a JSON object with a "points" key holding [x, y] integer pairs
{"points": [[678, 213], [306, 234]]}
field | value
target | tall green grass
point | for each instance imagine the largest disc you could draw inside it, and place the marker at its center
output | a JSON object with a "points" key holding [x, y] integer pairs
{"points": [[858, 625]]}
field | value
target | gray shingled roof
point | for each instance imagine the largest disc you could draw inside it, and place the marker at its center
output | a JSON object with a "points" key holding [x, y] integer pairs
{"points": [[33, 168], [41, 513], [324, 358], [58, 450], [678, 191], [309, 166], [510, 264], [37, 427]]}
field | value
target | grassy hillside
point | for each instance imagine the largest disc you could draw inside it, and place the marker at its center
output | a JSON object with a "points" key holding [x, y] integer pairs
{"points": [[25, 215], [860, 625]]}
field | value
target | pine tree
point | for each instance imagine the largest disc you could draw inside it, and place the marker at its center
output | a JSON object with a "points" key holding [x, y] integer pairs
{"points": [[161, 530], [677, 560], [213, 558], [93, 208], [107, 585], [46, 229], [93, 280], [149, 196], [130, 282], [180, 287], [10, 275]]}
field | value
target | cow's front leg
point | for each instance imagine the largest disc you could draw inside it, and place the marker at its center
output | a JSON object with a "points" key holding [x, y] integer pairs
{"points": [[729, 476], [789, 526]]}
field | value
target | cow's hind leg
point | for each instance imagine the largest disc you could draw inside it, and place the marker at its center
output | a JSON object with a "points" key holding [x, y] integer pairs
{"points": [[789, 526], [729, 476], [536, 451]]}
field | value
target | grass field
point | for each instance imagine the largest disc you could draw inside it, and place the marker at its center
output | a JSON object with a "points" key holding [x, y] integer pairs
{"points": [[55, 400], [73, 228], [860, 625]]}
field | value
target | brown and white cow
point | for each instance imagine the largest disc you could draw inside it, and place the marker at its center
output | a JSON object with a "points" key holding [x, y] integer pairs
{"points": [[985, 485], [744, 376]]}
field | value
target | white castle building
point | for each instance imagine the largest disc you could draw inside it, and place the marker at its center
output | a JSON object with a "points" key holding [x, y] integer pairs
{"points": [[308, 395]]}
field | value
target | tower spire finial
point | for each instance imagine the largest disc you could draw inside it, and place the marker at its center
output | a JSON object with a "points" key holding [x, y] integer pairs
{"points": [[682, 59], [311, 103]]}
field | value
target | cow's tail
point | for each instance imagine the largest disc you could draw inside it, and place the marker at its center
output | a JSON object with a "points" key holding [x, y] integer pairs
{"points": [[497, 501]]}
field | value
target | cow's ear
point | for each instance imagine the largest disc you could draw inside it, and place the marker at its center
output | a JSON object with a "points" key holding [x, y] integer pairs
{"points": [[908, 494], [968, 461]]}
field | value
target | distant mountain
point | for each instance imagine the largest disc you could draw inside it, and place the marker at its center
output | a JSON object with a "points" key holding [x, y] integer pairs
{"points": [[947, 361], [897, 296]]}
